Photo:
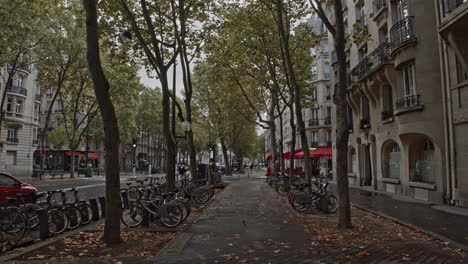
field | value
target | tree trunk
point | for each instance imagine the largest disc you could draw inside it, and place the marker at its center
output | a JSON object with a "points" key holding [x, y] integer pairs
{"points": [[170, 156], [281, 140], [292, 148], [342, 133], [225, 157], [274, 150], [111, 129]]}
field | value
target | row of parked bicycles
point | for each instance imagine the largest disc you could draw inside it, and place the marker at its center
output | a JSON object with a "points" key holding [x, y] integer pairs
{"points": [[302, 196], [63, 209], [146, 199]]}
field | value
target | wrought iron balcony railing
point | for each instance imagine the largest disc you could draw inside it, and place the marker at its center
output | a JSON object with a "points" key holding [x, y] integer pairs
{"points": [[17, 90], [314, 144], [313, 122], [370, 62], [408, 101], [327, 121], [451, 5], [378, 5], [387, 114], [402, 31], [12, 140]]}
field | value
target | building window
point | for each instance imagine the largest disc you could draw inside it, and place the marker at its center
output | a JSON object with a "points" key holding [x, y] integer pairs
{"points": [[12, 135], [329, 138], [402, 9], [408, 82], [328, 92], [422, 161], [327, 70], [19, 106], [326, 49], [349, 115], [10, 104], [37, 108], [314, 72], [462, 75], [391, 160], [387, 99], [314, 140]]}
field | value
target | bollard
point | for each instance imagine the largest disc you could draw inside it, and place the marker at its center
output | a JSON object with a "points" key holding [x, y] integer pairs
{"points": [[102, 202], [323, 204], [146, 219], [124, 196], [95, 208], [43, 223]]}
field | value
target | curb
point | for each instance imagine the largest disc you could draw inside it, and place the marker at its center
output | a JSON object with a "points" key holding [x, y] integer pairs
{"points": [[414, 227]]}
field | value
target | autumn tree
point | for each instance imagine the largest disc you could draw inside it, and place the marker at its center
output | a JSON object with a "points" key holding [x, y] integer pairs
{"points": [[337, 30]]}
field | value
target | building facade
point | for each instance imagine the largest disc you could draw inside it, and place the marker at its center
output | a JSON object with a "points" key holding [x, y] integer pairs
{"points": [[18, 138], [452, 25], [395, 113]]}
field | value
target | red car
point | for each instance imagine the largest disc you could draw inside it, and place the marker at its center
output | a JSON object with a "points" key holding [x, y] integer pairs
{"points": [[10, 186]]}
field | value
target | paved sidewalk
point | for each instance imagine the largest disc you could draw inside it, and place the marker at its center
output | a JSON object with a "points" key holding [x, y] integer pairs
{"points": [[423, 216], [247, 224]]}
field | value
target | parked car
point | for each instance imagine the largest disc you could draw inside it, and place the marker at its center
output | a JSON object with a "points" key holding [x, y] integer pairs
{"points": [[10, 186]]}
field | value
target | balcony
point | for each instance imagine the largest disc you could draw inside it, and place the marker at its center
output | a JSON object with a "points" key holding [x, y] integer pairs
{"points": [[371, 62], [402, 32], [451, 5], [408, 103], [313, 122], [12, 140], [365, 123], [314, 144], [327, 121], [387, 114], [378, 6], [17, 90]]}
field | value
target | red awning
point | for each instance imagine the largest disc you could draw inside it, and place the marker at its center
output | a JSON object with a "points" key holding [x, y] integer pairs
{"points": [[269, 157], [321, 152], [315, 153], [68, 153], [92, 155]]}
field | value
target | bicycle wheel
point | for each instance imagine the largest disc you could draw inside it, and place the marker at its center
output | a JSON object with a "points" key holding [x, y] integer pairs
{"points": [[13, 224], [299, 203], [282, 190], [332, 203], [132, 216], [30, 212], [86, 213], [58, 221], [74, 217], [171, 215]]}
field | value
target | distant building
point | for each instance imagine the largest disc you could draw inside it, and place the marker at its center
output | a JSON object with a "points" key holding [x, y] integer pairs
{"points": [[18, 139]]}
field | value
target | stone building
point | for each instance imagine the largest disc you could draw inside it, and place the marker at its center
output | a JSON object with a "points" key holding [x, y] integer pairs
{"points": [[395, 113], [452, 25], [18, 139]]}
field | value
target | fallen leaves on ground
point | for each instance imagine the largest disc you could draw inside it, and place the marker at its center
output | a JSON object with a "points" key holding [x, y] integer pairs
{"points": [[90, 244]]}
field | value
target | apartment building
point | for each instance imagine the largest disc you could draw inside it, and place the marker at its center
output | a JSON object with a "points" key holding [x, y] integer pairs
{"points": [[395, 102], [18, 138], [452, 25]]}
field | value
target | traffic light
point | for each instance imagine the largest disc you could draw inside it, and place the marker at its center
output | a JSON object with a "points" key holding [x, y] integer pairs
{"points": [[134, 142]]}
